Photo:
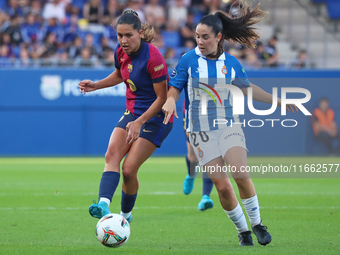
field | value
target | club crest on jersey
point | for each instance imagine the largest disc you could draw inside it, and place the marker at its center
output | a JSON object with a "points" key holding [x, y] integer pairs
{"points": [[132, 85], [224, 70], [129, 68], [200, 152]]}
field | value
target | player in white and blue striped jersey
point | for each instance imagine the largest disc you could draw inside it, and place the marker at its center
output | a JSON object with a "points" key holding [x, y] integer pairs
{"points": [[205, 101], [215, 145]]}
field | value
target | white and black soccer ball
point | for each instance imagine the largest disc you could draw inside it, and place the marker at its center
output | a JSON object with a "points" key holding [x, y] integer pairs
{"points": [[113, 230]]}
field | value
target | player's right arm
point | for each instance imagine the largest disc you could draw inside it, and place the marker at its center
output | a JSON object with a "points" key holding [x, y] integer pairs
{"points": [[178, 79], [111, 80], [169, 107]]}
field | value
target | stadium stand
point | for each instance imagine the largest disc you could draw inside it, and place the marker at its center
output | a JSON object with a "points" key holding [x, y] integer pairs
{"points": [[29, 23], [171, 39]]}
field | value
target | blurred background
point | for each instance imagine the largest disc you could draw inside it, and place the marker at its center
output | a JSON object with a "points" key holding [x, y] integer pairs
{"points": [[47, 47]]}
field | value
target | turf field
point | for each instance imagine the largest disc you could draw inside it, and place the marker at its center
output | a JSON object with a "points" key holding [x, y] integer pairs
{"points": [[44, 210]]}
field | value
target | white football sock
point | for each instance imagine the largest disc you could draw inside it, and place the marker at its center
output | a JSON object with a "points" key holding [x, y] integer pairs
{"points": [[251, 205], [105, 200], [125, 215], [237, 217]]}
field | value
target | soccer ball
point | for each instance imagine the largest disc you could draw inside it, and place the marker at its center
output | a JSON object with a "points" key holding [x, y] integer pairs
{"points": [[113, 230]]}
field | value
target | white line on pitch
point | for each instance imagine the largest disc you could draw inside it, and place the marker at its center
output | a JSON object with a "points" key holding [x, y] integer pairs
{"points": [[167, 193], [175, 207]]}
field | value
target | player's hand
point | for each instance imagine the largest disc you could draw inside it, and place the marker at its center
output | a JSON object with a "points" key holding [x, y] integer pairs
{"points": [[87, 86], [133, 129], [289, 107], [169, 108], [292, 108]]}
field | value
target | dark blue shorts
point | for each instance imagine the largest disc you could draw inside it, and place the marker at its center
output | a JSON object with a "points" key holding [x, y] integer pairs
{"points": [[152, 131]]}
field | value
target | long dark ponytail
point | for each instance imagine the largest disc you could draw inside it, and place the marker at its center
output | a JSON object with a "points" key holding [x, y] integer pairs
{"points": [[238, 29]]}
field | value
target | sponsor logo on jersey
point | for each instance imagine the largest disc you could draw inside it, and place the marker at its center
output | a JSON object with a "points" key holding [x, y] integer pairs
{"points": [[173, 74], [158, 68], [224, 70], [132, 85], [234, 134], [210, 94], [129, 68]]}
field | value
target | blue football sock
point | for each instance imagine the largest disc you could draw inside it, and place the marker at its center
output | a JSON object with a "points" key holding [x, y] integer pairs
{"points": [[207, 184], [128, 202], [108, 184], [191, 167]]}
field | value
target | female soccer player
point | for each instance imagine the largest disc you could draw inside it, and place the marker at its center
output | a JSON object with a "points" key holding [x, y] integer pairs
{"points": [[140, 130], [198, 72]]}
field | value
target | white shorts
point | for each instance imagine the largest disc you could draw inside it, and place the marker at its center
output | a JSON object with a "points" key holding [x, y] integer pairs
{"points": [[209, 145]]}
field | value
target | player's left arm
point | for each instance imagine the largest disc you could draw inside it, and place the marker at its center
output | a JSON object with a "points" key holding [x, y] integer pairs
{"points": [[259, 94], [265, 97]]}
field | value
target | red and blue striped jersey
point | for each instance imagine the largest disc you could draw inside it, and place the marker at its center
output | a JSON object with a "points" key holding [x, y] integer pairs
{"points": [[139, 72]]}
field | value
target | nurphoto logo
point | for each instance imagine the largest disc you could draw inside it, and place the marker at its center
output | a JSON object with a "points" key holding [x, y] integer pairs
{"points": [[210, 93]]}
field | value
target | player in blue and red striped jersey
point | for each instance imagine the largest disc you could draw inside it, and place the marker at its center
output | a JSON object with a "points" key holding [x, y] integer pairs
{"points": [[140, 131]]}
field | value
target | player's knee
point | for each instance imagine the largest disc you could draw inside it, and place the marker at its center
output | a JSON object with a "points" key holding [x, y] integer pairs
{"points": [[224, 188], [110, 154], [129, 172]]}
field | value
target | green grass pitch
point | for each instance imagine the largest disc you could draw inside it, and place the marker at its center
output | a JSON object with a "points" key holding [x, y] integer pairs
{"points": [[44, 210]]}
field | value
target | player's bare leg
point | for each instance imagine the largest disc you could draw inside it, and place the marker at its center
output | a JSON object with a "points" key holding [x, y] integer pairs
{"points": [[191, 154], [229, 202], [237, 157], [139, 152], [223, 185], [116, 151]]}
